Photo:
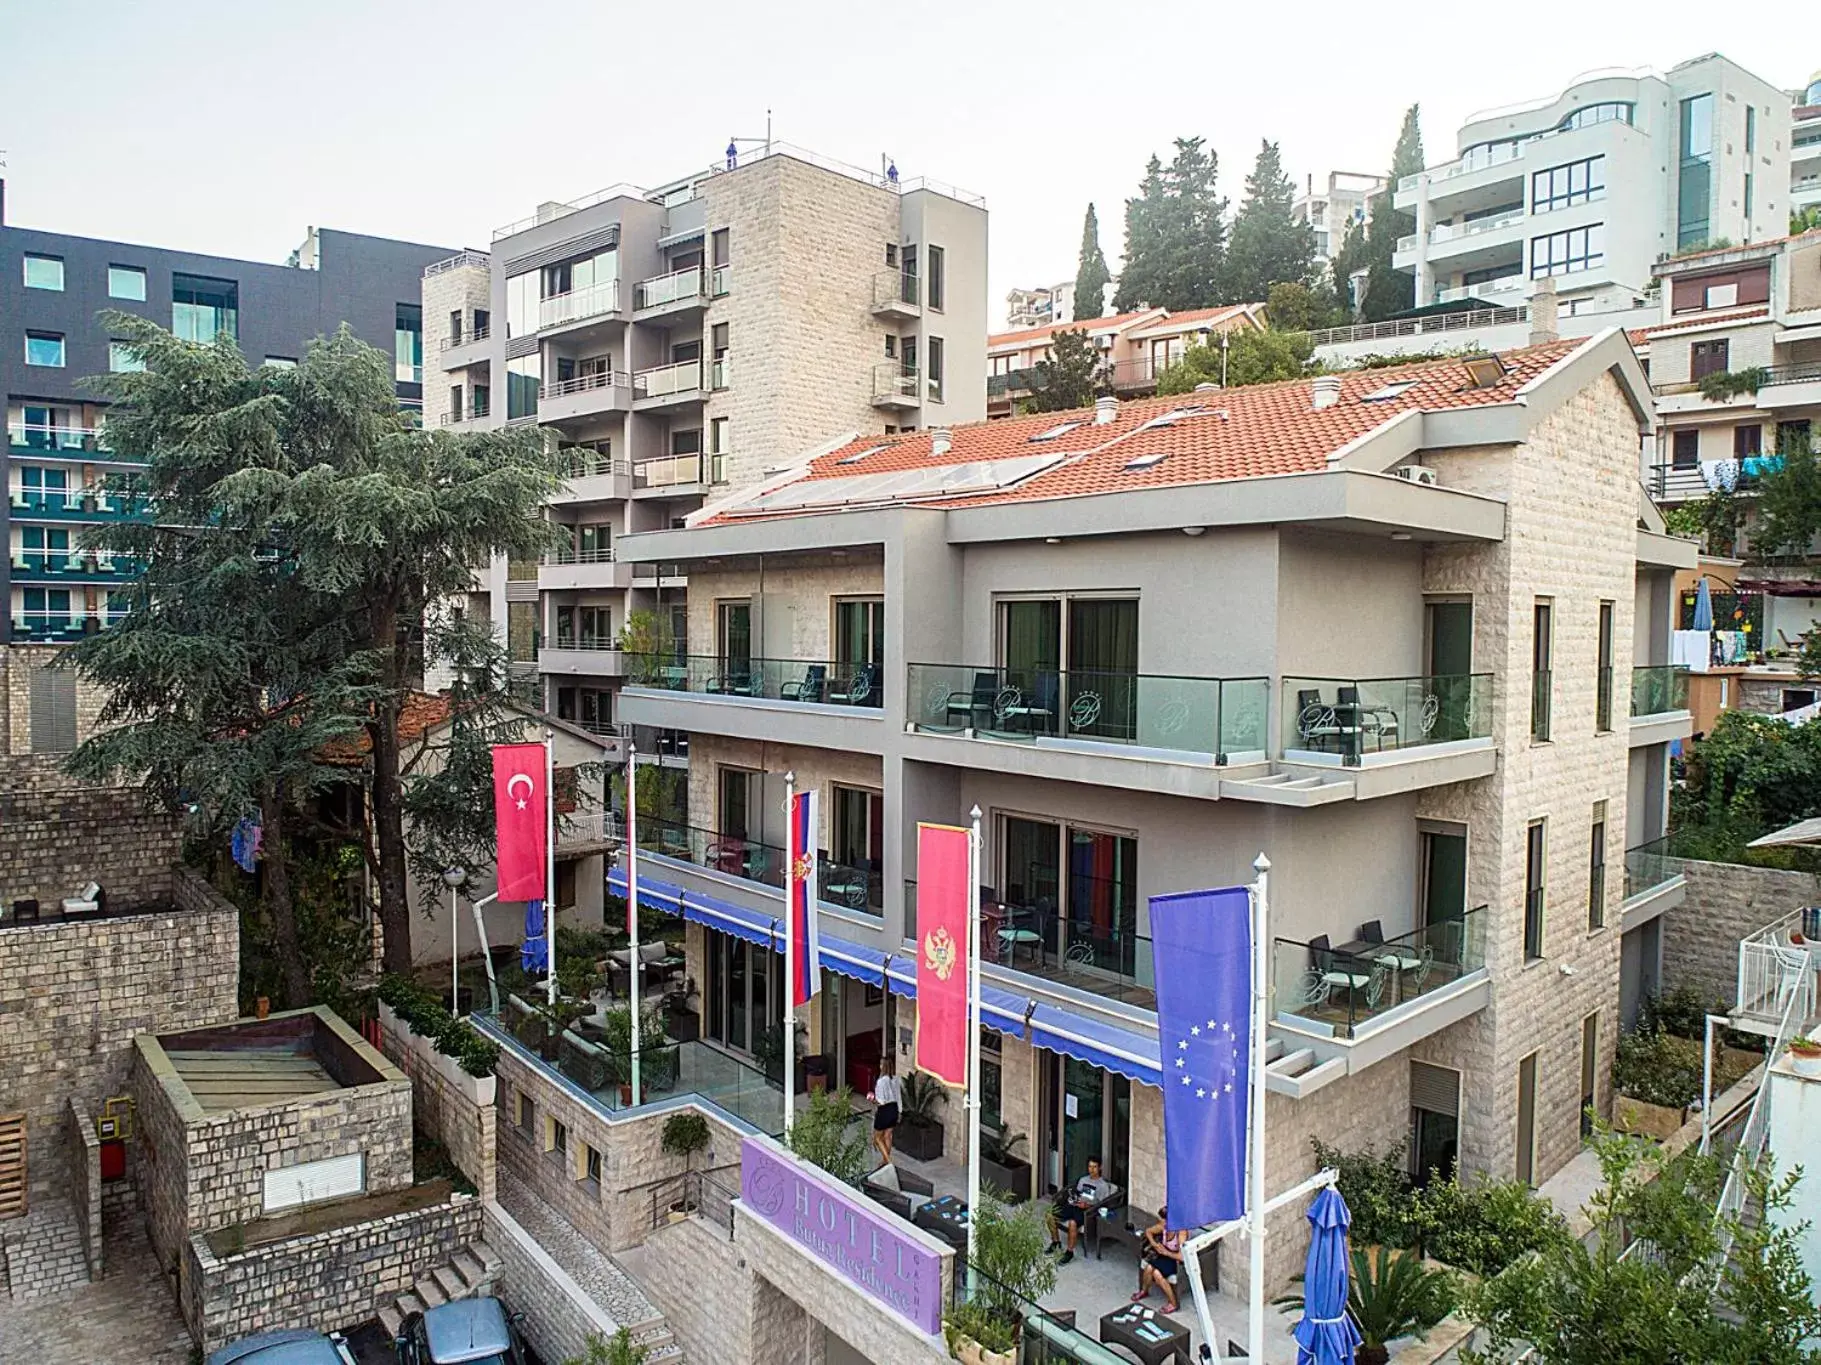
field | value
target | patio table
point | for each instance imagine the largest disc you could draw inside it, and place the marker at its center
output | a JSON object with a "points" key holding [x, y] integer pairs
{"points": [[1151, 1336], [946, 1218]]}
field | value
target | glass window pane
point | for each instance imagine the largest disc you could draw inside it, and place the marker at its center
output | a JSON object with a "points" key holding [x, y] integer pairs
{"points": [[44, 272], [203, 308], [44, 348], [126, 282], [121, 360], [408, 344]]}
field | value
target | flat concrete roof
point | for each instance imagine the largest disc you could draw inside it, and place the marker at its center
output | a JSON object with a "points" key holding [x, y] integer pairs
{"points": [[250, 1063]]}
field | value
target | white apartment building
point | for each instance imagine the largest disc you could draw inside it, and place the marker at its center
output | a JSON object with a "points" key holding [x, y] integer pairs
{"points": [[1333, 210], [1805, 147], [670, 341], [1592, 187], [1051, 304]]}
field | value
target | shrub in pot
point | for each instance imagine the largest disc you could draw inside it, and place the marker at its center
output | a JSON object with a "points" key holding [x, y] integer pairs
{"points": [[920, 1133], [1002, 1167], [685, 1134], [1390, 1294]]}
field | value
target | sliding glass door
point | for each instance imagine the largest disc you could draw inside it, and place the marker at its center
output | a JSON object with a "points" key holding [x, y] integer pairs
{"points": [[1102, 666]]}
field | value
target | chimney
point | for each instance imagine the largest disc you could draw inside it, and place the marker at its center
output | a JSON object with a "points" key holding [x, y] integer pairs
{"points": [[1543, 312], [1105, 410], [1326, 392], [940, 439]]}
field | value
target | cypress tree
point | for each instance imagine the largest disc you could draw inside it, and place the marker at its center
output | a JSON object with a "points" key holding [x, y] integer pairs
{"points": [[1388, 289], [1091, 274], [1269, 246]]}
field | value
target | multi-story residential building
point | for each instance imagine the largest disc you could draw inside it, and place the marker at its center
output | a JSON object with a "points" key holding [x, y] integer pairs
{"points": [[1330, 212], [61, 477], [1373, 625], [672, 341], [1135, 348], [1592, 187], [1025, 308], [1805, 147]]}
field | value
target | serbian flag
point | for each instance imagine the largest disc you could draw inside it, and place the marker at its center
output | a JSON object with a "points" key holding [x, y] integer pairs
{"points": [[519, 817], [800, 894], [942, 928]]}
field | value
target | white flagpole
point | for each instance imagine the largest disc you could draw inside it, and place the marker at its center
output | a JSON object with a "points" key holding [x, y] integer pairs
{"points": [[633, 966], [790, 947], [480, 933], [549, 870], [973, 1041], [1255, 1146]]}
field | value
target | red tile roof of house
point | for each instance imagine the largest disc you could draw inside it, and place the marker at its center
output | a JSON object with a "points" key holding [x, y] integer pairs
{"points": [[1031, 334], [1170, 321], [1706, 320], [1241, 433], [421, 712]]}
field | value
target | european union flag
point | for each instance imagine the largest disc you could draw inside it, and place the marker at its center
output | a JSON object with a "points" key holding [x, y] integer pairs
{"points": [[1203, 950]]}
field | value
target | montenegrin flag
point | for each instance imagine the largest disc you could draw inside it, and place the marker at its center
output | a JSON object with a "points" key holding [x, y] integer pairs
{"points": [[800, 895], [942, 939], [519, 816]]}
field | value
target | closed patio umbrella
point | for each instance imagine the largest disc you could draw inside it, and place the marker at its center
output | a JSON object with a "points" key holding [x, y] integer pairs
{"points": [[531, 952], [1704, 606], [1326, 1335]]}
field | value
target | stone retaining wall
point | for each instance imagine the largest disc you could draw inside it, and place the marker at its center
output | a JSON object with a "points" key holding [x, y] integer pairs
{"points": [[1725, 902], [456, 1109], [326, 1280], [678, 1259], [61, 834], [559, 1314], [85, 1186]]}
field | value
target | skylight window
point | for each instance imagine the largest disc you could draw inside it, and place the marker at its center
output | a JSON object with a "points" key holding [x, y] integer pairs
{"points": [[1054, 432], [1389, 392], [1150, 461], [859, 455]]}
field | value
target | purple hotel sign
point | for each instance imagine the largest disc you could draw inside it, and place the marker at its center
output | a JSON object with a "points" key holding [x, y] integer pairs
{"points": [[845, 1230]]}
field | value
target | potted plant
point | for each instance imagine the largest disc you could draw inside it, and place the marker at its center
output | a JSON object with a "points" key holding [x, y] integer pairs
{"points": [[1001, 1165], [685, 1133], [920, 1133], [1390, 1294], [1805, 1056], [976, 1337], [815, 1072], [1014, 1274], [657, 1061]]}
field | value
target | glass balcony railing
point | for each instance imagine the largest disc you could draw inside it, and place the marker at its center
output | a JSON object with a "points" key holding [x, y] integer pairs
{"points": [[670, 471], [34, 436], [593, 301], [854, 884], [1219, 716], [1360, 716], [662, 381], [672, 288], [1346, 986], [1648, 866], [802, 680], [894, 289], [52, 627], [894, 383], [83, 505], [42, 566], [1657, 689]]}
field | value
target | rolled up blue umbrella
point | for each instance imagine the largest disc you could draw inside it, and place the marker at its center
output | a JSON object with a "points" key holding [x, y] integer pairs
{"points": [[1704, 607], [1327, 1334], [532, 952]]}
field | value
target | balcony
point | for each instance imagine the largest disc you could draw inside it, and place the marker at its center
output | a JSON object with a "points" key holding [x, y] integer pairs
{"points": [[1504, 292], [1777, 969], [674, 292], [1791, 386], [802, 681], [1362, 722], [895, 295], [1653, 882], [52, 627], [672, 476], [855, 887], [1659, 705], [87, 506], [571, 568], [582, 655], [1011, 383], [1217, 719], [468, 338], [1368, 985], [72, 443], [894, 386], [592, 476], [663, 385], [56, 567], [579, 305], [830, 704]]}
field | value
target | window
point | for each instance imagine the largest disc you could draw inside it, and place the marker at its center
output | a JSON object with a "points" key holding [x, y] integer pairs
{"points": [[718, 341], [1751, 131], [1748, 193], [455, 402], [1614, 111], [521, 304], [1079, 886], [1526, 1120], [44, 272], [203, 308], [44, 348], [1747, 439], [859, 634], [891, 253], [523, 374], [408, 343], [935, 369], [1685, 447], [483, 324], [121, 359], [933, 289], [521, 631], [1533, 890], [1590, 1071], [483, 400], [1694, 177], [1708, 357], [1568, 253], [991, 1082], [525, 1112], [556, 1135], [856, 845], [1562, 187], [687, 442], [126, 282], [591, 1164], [717, 436], [53, 695], [1602, 707], [1596, 869], [1542, 648], [455, 326], [908, 269]]}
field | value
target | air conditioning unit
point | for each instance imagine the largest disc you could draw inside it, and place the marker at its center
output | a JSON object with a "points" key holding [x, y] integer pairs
{"points": [[1416, 473]]}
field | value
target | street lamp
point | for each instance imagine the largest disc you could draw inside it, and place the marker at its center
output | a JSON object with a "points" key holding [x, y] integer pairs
{"points": [[455, 878]]}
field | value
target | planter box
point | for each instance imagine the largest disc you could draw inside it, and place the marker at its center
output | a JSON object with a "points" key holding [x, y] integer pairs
{"points": [[1014, 1177], [480, 1089], [1657, 1121], [920, 1140]]}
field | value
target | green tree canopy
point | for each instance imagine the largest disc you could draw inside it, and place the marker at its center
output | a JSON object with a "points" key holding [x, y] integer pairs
{"points": [[1291, 307], [1069, 377], [1348, 257], [1789, 500], [1388, 289], [1175, 234], [1269, 245], [1253, 357], [1091, 275]]}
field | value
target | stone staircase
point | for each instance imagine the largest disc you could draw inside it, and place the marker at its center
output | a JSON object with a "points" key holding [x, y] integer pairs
{"points": [[656, 1337], [468, 1274]]}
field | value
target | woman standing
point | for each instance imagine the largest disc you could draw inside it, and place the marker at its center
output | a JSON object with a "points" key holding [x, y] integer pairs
{"points": [[885, 1116]]}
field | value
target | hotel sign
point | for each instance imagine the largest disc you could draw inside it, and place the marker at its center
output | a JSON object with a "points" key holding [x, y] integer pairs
{"points": [[845, 1230]]}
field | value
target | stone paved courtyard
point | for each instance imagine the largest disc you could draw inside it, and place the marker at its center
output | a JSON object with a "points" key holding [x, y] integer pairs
{"points": [[588, 1266], [128, 1318]]}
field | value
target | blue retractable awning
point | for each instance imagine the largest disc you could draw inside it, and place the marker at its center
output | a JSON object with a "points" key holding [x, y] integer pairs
{"points": [[1115, 1049]]}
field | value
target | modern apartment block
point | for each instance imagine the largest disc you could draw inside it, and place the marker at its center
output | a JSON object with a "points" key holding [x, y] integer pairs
{"points": [[672, 341], [60, 475], [1592, 187], [1026, 308], [1331, 211], [1805, 147], [1376, 626]]}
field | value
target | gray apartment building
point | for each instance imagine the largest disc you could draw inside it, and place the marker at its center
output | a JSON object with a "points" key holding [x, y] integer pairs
{"points": [[672, 342], [60, 475]]}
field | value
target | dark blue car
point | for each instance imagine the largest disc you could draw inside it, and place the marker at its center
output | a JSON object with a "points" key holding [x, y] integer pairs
{"points": [[461, 1332], [297, 1347]]}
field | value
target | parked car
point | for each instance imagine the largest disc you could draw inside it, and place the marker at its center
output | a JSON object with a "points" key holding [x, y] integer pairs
{"points": [[462, 1332], [295, 1347]]}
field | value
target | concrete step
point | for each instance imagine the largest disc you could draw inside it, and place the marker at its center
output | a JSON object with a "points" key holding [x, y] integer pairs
{"points": [[473, 1273], [392, 1320], [653, 1334], [487, 1256], [451, 1283], [409, 1304], [427, 1290], [670, 1352]]}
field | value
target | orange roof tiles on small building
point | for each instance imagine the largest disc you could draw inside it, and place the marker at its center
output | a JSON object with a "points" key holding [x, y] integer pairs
{"points": [[1031, 335]]}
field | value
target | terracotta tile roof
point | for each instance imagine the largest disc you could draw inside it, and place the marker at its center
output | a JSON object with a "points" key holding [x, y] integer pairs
{"points": [[1250, 432], [1169, 322], [421, 711], [1707, 320], [1739, 246], [1030, 334]]}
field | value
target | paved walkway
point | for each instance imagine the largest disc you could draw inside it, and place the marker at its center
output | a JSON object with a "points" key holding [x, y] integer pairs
{"points": [[128, 1316], [587, 1265]]}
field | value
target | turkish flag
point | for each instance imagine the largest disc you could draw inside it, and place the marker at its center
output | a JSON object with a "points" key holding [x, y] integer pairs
{"points": [[942, 941], [519, 815]]}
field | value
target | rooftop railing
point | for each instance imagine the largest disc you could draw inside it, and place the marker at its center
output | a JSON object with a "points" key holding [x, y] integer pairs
{"points": [[1406, 327], [1360, 716], [1657, 689], [1346, 986], [478, 259]]}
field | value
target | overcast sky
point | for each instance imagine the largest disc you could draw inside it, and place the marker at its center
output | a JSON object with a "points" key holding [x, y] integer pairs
{"points": [[228, 126]]}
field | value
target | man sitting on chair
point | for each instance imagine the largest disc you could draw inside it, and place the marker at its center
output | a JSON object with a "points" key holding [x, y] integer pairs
{"points": [[1077, 1207]]}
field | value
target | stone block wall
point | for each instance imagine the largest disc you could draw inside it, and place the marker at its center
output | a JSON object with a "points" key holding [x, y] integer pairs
{"points": [[73, 995], [85, 1186], [559, 1314], [1725, 902], [17, 663], [466, 287], [61, 835], [326, 1280], [679, 1259], [456, 1109]]}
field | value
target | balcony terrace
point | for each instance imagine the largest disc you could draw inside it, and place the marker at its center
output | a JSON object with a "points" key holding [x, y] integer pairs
{"points": [[782, 700], [572, 568], [895, 295], [895, 386], [1659, 704], [1653, 882], [666, 385], [676, 292], [55, 568], [579, 305]]}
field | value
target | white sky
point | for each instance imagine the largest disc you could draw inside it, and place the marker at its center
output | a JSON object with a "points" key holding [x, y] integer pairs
{"points": [[228, 126]]}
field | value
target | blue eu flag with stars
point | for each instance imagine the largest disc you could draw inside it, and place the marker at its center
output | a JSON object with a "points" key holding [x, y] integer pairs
{"points": [[1203, 952]]}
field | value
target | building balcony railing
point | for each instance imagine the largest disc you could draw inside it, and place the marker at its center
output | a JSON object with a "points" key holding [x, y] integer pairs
{"points": [[1011, 382], [896, 386], [472, 335], [81, 506], [1648, 866], [570, 555], [672, 471], [1774, 963], [676, 287], [52, 627], [895, 291], [1442, 233], [1505, 287], [1658, 688], [1404, 327], [36, 566], [579, 462], [1343, 988], [49, 439], [1217, 716], [792, 680], [585, 383], [594, 301], [665, 380], [1358, 717], [855, 885]]}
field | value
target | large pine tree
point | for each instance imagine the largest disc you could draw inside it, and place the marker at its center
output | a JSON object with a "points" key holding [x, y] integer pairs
{"points": [[1175, 234], [1140, 277], [1388, 289], [1091, 274], [1268, 245]]}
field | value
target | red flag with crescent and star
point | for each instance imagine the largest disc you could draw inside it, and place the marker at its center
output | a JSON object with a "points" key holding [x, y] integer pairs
{"points": [[519, 818]]}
